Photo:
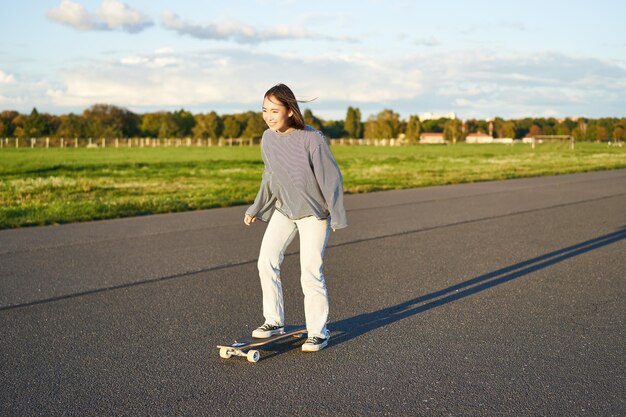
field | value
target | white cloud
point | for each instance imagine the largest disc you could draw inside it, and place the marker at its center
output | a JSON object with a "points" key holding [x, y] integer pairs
{"points": [[230, 77], [164, 50], [513, 25], [484, 84], [133, 60], [22, 95], [111, 15], [72, 14], [6, 78], [429, 41], [116, 14], [240, 32], [476, 83]]}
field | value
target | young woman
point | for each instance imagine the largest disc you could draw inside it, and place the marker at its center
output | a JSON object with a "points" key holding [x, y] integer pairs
{"points": [[301, 192]]}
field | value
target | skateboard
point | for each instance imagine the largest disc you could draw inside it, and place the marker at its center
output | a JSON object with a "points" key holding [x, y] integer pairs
{"points": [[245, 345]]}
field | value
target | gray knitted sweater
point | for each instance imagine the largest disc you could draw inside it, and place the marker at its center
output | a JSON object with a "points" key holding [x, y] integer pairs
{"points": [[301, 178]]}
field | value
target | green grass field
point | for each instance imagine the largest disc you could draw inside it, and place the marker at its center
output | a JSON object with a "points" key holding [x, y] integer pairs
{"points": [[51, 186]]}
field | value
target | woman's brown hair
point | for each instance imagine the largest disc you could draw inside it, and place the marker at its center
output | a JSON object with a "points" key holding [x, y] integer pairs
{"points": [[285, 96]]}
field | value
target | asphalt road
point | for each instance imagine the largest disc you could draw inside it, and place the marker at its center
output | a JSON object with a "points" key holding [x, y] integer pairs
{"points": [[495, 298]]}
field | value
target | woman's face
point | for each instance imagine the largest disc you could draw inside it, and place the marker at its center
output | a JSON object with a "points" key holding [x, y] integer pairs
{"points": [[276, 115]]}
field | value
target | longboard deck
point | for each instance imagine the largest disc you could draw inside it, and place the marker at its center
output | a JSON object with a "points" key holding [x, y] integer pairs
{"points": [[244, 345], [250, 342]]}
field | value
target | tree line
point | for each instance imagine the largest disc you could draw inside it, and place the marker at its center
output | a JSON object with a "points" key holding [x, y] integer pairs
{"points": [[109, 121]]}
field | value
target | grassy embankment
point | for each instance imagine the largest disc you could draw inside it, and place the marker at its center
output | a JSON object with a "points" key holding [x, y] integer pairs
{"points": [[49, 186]]}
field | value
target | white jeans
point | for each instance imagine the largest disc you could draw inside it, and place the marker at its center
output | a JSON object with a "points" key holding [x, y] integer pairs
{"points": [[313, 237]]}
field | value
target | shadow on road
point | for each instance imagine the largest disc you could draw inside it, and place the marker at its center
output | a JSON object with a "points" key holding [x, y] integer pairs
{"points": [[347, 329]]}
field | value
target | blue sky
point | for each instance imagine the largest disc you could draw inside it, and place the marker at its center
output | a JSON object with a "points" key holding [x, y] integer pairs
{"points": [[478, 59]]}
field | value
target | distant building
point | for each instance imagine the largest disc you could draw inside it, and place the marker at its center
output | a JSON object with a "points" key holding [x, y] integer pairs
{"points": [[478, 138], [505, 141], [432, 138]]}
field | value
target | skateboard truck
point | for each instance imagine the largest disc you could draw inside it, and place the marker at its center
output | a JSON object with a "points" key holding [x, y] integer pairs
{"points": [[252, 355]]}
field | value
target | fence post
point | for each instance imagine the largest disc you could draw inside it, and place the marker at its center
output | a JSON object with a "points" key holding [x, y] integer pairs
{"points": [[32, 143]]}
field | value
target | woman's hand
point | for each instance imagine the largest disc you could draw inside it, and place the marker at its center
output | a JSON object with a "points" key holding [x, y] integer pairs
{"points": [[248, 219]]}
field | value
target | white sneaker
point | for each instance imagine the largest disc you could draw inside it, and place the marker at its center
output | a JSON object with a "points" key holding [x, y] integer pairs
{"points": [[315, 344], [268, 330]]}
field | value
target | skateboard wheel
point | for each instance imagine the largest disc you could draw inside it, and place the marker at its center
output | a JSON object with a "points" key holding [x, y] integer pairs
{"points": [[225, 353], [253, 356]]}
